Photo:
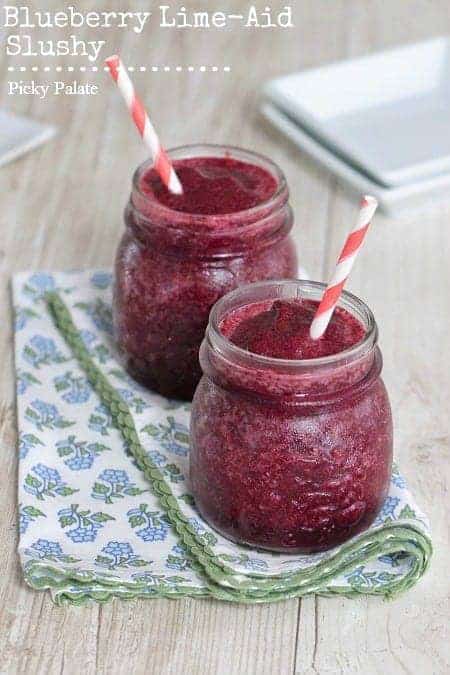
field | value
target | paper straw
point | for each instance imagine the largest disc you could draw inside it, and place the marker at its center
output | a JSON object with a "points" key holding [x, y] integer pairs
{"points": [[345, 262], [161, 162]]}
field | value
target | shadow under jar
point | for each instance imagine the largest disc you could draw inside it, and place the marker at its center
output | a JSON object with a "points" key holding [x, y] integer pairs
{"points": [[290, 455], [172, 266]]}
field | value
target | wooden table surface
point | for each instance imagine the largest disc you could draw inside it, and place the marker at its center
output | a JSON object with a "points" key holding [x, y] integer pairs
{"points": [[61, 207]]}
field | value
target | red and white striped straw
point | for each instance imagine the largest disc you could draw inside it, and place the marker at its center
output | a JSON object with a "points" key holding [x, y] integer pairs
{"points": [[344, 265], [161, 162]]}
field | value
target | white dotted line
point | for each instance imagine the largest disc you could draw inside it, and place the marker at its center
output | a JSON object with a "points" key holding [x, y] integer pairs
{"points": [[131, 69]]}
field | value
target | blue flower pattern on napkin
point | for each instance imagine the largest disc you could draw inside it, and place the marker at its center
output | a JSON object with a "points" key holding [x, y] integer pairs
{"points": [[79, 455], [27, 515], [156, 525], [45, 415], [87, 523], [119, 554], [114, 484], [42, 351], [78, 481], [73, 389], [43, 481], [24, 380]]}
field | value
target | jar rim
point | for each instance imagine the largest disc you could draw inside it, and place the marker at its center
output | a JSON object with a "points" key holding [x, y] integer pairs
{"points": [[289, 289], [216, 150]]}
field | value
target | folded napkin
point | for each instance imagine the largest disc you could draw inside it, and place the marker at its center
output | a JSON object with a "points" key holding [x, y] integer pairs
{"points": [[105, 508]]}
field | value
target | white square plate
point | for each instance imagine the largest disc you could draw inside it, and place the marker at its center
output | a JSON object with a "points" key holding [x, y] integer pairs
{"points": [[388, 114], [18, 135], [394, 198]]}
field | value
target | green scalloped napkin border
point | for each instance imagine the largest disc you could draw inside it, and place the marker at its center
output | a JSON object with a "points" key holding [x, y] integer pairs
{"points": [[221, 582]]}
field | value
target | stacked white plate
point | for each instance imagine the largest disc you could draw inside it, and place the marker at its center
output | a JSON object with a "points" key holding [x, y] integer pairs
{"points": [[380, 123]]}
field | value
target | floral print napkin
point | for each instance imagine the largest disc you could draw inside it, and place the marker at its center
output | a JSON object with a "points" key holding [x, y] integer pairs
{"points": [[93, 525]]}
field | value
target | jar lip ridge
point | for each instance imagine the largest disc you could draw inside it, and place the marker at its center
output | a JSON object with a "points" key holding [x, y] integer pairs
{"points": [[229, 350], [216, 150]]}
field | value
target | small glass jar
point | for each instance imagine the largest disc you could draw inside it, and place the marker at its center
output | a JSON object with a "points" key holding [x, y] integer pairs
{"points": [[171, 267], [290, 455]]}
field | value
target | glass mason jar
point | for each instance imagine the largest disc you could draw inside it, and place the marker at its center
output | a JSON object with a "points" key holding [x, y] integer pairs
{"points": [[290, 455], [171, 267]]}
